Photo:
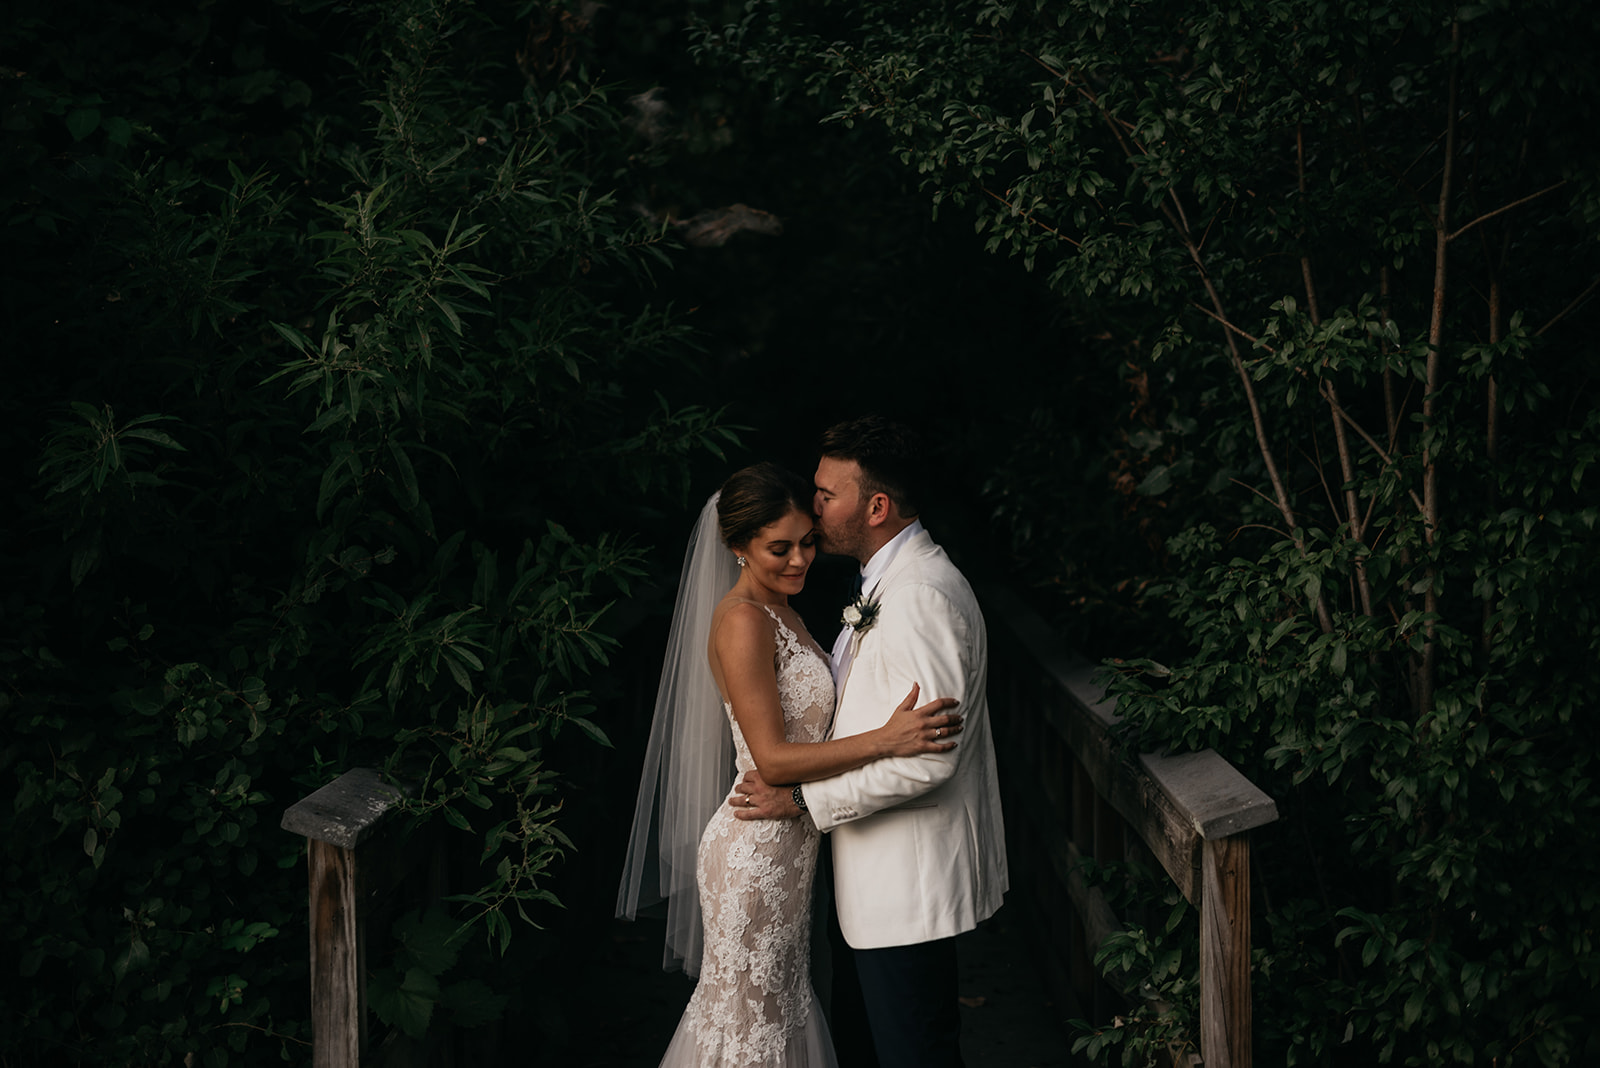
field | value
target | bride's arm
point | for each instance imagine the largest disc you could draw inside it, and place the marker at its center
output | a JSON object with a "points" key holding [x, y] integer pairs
{"points": [[745, 649]]}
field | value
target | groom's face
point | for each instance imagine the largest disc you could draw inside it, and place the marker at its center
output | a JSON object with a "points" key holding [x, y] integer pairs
{"points": [[840, 507]]}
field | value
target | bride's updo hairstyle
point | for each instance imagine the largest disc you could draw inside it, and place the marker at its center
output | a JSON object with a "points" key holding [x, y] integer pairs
{"points": [[758, 496]]}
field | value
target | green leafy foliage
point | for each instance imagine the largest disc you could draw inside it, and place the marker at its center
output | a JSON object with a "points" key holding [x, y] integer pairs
{"points": [[1343, 257], [1152, 964], [337, 404], [407, 992]]}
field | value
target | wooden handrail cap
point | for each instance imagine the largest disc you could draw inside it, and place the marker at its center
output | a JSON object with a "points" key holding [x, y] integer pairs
{"points": [[1215, 795], [347, 811]]}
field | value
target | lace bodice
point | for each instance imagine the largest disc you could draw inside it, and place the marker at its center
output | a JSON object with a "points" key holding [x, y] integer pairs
{"points": [[754, 1005], [805, 693]]}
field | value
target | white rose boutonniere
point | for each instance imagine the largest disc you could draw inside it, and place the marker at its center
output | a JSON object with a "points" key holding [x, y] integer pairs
{"points": [[860, 614]]}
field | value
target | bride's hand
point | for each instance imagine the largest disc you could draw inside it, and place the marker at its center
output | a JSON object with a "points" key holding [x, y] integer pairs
{"points": [[912, 731]]}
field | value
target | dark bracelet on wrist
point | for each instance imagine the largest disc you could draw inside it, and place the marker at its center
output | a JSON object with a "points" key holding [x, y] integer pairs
{"points": [[799, 798]]}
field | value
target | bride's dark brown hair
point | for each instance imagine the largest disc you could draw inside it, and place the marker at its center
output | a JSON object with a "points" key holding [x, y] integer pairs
{"points": [[757, 496]]}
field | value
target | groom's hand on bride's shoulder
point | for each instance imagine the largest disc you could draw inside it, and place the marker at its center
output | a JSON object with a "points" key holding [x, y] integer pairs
{"points": [[753, 799]]}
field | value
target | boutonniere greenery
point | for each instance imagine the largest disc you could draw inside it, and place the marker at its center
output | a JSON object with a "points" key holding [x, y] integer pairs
{"points": [[861, 613]]}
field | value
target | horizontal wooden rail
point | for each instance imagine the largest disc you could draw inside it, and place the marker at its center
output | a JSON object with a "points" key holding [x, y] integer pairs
{"points": [[1192, 811]]}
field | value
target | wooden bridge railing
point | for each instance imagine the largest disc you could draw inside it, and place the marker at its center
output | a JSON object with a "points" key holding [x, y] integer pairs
{"points": [[1070, 794]]}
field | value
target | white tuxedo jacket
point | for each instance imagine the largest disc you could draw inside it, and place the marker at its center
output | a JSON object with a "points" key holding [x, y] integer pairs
{"points": [[918, 842]]}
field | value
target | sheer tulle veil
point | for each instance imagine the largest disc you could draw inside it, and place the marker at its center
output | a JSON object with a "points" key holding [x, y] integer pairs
{"points": [[689, 763]]}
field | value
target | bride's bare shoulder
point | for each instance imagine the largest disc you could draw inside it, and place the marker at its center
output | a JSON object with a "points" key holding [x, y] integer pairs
{"points": [[741, 609], [740, 622]]}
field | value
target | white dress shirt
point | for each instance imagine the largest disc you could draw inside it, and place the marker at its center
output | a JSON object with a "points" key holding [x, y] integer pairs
{"points": [[871, 572]]}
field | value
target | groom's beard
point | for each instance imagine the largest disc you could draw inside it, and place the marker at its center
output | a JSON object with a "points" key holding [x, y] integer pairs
{"points": [[848, 538]]}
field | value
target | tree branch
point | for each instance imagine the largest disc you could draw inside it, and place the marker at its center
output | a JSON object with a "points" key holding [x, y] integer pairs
{"points": [[1501, 210], [1028, 217], [1391, 414], [1564, 312], [1258, 343], [264, 1030], [1372, 443], [1257, 526]]}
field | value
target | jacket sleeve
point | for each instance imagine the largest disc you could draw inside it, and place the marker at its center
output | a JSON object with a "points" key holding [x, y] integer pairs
{"points": [[923, 638]]}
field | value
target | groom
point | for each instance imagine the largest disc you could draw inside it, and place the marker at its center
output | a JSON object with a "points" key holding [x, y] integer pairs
{"points": [[918, 844]]}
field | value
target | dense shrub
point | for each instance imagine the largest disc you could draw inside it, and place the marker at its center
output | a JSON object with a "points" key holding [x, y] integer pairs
{"points": [[328, 413]]}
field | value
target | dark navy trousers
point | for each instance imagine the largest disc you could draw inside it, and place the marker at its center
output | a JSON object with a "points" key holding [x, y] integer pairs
{"points": [[910, 994], [890, 1008]]}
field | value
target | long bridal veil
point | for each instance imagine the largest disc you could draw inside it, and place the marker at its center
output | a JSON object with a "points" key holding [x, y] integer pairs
{"points": [[689, 762]]}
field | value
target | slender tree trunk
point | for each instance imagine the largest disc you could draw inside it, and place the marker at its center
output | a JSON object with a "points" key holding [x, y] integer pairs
{"points": [[1281, 494], [1491, 434], [1172, 208], [1428, 667], [1391, 416], [1341, 437]]}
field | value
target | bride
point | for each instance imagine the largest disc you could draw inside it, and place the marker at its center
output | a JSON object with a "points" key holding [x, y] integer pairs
{"points": [[738, 892]]}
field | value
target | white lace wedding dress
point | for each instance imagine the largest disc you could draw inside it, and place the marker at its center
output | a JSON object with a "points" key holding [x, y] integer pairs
{"points": [[754, 1005]]}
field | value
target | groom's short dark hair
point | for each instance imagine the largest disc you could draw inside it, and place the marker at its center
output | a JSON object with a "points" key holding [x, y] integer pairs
{"points": [[888, 453]]}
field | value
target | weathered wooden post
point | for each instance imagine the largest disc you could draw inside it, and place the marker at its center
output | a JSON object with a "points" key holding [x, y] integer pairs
{"points": [[341, 824], [1219, 807], [1225, 1003]]}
